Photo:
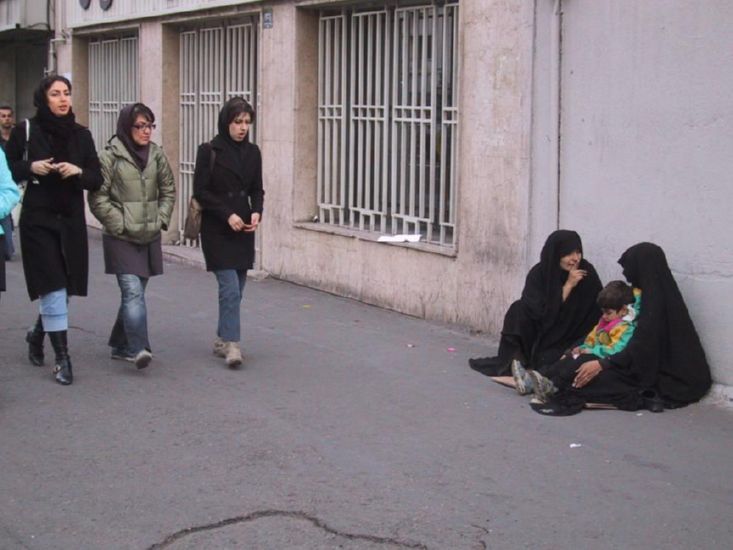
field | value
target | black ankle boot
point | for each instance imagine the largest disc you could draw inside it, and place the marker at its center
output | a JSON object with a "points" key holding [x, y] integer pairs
{"points": [[34, 337], [62, 368]]}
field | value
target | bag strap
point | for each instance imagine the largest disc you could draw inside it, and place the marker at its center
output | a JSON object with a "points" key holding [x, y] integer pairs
{"points": [[212, 160], [27, 138]]}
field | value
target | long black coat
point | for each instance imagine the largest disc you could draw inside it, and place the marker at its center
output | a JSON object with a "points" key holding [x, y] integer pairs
{"points": [[53, 231], [234, 186]]}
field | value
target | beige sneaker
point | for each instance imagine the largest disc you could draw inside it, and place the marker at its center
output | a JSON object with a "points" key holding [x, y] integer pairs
{"points": [[233, 354], [218, 349]]}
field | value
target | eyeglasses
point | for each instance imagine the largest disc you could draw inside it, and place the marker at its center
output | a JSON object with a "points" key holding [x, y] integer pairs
{"points": [[143, 127]]}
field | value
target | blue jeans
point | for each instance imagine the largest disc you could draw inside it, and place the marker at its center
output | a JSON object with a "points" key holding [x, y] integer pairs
{"points": [[7, 225], [231, 290], [130, 333], [54, 310]]}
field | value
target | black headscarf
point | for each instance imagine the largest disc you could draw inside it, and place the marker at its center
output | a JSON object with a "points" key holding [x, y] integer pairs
{"points": [[559, 322], [127, 117], [665, 350], [228, 112], [59, 128]]}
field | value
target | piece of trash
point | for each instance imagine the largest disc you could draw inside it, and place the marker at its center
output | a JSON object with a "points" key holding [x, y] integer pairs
{"points": [[410, 345], [307, 306], [451, 349], [639, 414], [575, 445], [404, 238]]}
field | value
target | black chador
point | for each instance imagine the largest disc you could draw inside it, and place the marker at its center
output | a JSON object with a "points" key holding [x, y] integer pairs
{"points": [[539, 326]]}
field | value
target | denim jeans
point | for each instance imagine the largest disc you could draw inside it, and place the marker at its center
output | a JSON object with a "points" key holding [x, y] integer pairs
{"points": [[54, 310], [7, 225], [231, 290], [130, 333]]}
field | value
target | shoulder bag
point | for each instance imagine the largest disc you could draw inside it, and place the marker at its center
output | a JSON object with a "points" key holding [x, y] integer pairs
{"points": [[192, 225]]}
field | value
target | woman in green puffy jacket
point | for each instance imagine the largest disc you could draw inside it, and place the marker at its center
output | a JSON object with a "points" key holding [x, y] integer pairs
{"points": [[134, 203]]}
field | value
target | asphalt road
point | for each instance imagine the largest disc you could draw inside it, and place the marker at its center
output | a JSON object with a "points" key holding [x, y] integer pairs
{"points": [[349, 427]]}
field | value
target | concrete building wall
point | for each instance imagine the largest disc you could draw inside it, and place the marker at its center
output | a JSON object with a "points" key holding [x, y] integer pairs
{"points": [[628, 129], [21, 66], [470, 285], [645, 134]]}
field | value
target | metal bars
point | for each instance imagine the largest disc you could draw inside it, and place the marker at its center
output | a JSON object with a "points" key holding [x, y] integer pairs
{"points": [[217, 63], [113, 83], [386, 155], [332, 120]]}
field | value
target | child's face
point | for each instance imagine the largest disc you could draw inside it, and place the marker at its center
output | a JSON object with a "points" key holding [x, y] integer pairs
{"points": [[613, 314]]}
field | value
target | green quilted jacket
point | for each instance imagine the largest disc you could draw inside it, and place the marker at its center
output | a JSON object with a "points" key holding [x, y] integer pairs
{"points": [[133, 205]]}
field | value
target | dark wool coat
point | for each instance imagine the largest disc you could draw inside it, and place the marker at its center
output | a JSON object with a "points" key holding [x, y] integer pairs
{"points": [[53, 231], [233, 186]]}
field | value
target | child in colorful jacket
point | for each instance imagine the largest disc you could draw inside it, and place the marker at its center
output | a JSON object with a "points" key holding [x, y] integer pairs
{"points": [[620, 305]]}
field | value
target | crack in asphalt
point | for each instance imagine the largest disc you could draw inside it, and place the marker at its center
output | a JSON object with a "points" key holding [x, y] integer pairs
{"points": [[284, 514]]}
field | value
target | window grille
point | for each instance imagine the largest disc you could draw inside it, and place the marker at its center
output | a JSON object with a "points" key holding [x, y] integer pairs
{"points": [[216, 64], [388, 120], [113, 83]]}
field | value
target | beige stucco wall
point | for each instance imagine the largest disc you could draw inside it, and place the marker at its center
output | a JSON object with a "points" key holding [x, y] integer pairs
{"points": [[474, 286], [159, 90], [471, 285], [508, 192]]}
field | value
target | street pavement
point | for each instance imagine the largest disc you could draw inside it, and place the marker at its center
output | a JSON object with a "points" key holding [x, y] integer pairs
{"points": [[348, 427]]}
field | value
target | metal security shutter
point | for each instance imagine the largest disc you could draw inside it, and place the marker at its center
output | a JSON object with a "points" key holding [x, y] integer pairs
{"points": [[113, 83], [217, 63]]}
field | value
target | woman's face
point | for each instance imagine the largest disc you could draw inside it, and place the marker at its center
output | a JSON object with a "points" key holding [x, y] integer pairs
{"points": [[239, 127], [571, 261], [58, 98], [142, 131]]}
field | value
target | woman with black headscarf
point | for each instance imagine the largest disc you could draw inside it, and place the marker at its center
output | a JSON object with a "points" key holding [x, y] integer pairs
{"points": [[663, 365], [557, 308], [228, 185], [134, 203], [61, 163]]}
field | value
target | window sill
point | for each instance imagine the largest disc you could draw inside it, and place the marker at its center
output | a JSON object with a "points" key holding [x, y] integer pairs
{"points": [[450, 252]]}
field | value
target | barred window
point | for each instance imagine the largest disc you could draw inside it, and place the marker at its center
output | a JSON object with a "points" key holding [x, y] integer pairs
{"points": [[388, 120], [113, 83]]}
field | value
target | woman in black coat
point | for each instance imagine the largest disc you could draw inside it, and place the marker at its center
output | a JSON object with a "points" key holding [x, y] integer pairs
{"points": [[663, 365], [228, 185], [557, 308], [61, 163]]}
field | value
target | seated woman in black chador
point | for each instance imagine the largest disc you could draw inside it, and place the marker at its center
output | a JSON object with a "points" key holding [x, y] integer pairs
{"points": [[557, 308], [663, 365]]}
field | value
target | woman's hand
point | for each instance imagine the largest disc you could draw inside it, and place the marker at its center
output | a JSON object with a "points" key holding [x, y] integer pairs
{"points": [[575, 275], [587, 372], [42, 167], [67, 170], [236, 223], [249, 228]]}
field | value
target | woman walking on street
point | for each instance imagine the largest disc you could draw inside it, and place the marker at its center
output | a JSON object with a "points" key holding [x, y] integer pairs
{"points": [[228, 184], [134, 203], [9, 196], [61, 163]]}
